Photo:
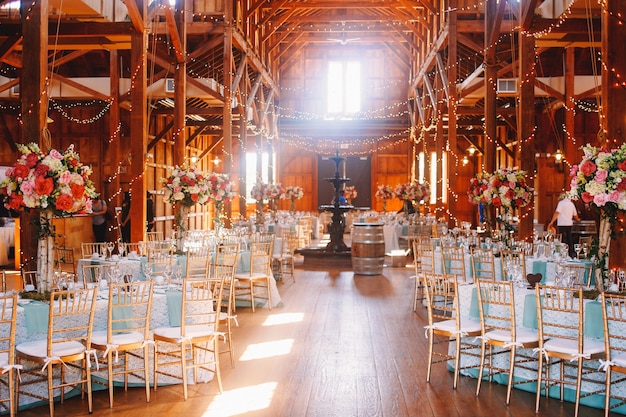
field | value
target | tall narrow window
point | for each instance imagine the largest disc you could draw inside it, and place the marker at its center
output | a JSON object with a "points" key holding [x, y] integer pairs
{"points": [[251, 174], [344, 87]]}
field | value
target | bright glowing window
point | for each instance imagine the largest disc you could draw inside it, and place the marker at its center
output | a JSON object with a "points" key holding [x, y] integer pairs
{"points": [[344, 87], [251, 172]]}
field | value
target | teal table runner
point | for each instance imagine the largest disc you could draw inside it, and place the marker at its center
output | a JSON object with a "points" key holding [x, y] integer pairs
{"points": [[36, 316]]}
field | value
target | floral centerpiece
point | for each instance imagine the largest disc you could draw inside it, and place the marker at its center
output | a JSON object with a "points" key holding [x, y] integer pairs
{"points": [[260, 192], [411, 192], [384, 192], [55, 183], [600, 181], [349, 192], [276, 192], [184, 188], [293, 193], [220, 192]]}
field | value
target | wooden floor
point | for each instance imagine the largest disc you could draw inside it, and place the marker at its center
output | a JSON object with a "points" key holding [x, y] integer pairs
{"points": [[342, 345]]}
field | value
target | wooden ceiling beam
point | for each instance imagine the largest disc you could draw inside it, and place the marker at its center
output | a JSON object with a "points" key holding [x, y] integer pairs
{"points": [[135, 15], [175, 39], [9, 45], [80, 87], [495, 32]]}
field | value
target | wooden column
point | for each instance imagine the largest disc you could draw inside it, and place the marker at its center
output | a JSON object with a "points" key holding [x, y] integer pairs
{"points": [[614, 96], [570, 150], [453, 157], [34, 101], [228, 93], [138, 128], [113, 198], [491, 77], [180, 86], [525, 151]]}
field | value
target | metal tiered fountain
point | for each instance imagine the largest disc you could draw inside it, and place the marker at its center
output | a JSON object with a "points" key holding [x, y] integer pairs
{"points": [[336, 251]]}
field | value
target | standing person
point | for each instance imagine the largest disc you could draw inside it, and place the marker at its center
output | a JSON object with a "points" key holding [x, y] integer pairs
{"points": [[125, 218], [564, 216], [99, 221], [149, 212]]}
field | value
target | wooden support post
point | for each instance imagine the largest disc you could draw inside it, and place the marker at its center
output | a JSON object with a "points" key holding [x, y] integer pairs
{"points": [[491, 78]]}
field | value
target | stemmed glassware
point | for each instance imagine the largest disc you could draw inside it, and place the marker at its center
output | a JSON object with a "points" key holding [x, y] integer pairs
{"points": [[147, 270], [110, 247], [121, 248], [577, 248], [167, 271]]}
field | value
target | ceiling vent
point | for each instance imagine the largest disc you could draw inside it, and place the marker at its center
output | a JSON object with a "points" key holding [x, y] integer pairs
{"points": [[507, 85], [169, 85]]}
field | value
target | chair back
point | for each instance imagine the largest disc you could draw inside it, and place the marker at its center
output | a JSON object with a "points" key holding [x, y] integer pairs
{"points": [[136, 247], [71, 317], [154, 236], [453, 261], [560, 314], [30, 278], [8, 314], [483, 264], [496, 305], [441, 298], [64, 259], [226, 253], [581, 273], [129, 308], [198, 262], [260, 257], [89, 248], [201, 304], [92, 274], [614, 319], [424, 258], [226, 274], [11, 280]]}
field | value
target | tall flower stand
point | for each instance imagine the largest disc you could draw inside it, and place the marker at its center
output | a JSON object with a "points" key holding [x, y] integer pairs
{"points": [[181, 225], [602, 260], [45, 253], [217, 217]]}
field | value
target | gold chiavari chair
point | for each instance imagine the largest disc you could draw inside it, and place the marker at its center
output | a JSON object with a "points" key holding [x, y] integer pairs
{"points": [[259, 275], [445, 323], [64, 259], [424, 262], [562, 342], [582, 273], [30, 280], [8, 314], [154, 236], [128, 330], [136, 247], [226, 272], [285, 258], [11, 280], [67, 346], [499, 331], [198, 263], [91, 275], [195, 341], [614, 319], [89, 248], [453, 262], [483, 264]]}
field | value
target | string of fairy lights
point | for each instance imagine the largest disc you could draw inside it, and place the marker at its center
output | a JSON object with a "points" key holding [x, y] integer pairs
{"points": [[396, 109]]}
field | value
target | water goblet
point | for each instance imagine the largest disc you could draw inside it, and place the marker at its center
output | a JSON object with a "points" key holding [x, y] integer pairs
{"points": [[110, 247], [147, 270], [121, 248], [167, 272], [577, 248]]}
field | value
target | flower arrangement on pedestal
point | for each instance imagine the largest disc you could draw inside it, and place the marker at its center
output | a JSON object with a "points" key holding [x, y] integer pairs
{"points": [[260, 192], [505, 189], [384, 192], [276, 192], [220, 192], [349, 192], [55, 183], [184, 188], [411, 192], [293, 193], [600, 181]]}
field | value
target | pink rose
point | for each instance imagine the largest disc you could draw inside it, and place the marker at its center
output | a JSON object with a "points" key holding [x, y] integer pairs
{"points": [[56, 154], [614, 196], [601, 176], [587, 168], [601, 199], [573, 171]]}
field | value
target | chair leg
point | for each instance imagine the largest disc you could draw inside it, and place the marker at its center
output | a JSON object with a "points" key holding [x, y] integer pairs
{"points": [[269, 293], [457, 361], [110, 370], [431, 336], [252, 294], [481, 367], [155, 364], [51, 391], [88, 379], [539, 374], [146, 361], [511, 372], [579, 380], [607, 395], [183, 359], [216, 355]]}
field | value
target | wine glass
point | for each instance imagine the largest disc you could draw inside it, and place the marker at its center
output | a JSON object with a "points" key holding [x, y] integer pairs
{"points": [[167, 271], [110, 247], [577, 248], [147, 270], [585, 250], [121, 248], [177, 273]]}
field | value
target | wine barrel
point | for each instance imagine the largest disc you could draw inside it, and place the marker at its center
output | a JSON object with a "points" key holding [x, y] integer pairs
{"points": [[368, 248]]}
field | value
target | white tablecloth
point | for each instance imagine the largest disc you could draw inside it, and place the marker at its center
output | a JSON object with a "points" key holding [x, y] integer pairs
{"points": [[392, 234]]}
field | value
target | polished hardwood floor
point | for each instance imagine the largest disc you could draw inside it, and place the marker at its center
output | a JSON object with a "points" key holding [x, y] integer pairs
{"points": [[342, 345]]}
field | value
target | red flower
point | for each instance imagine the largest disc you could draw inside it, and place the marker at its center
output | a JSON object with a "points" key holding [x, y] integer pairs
{"points": [[586, 197], [622, 185], [509, 194], [77, 190], [496, 202], [16, 202], [31, 160], [64, 202], [43, 185], [194, 197], [73, 162], [622, 165], [21, 171], [587, 168], [41, 170]]}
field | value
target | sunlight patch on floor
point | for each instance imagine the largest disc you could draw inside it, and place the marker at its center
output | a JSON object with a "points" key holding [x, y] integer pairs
{"points": [[241, 400], [286, 318], [267, 350]]}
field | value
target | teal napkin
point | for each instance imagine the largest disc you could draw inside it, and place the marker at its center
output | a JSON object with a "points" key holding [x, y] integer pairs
{"points": [[174, 307], [594, 326], [530, 319], [36, 315], [539, 267]]}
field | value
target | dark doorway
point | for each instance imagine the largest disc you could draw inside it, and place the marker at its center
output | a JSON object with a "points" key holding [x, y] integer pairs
{"points": [[357, 168]]}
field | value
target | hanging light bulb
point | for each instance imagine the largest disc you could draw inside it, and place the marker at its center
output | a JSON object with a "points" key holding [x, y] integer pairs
{"points": [[465, 160], [471, 150], [558, 156]]}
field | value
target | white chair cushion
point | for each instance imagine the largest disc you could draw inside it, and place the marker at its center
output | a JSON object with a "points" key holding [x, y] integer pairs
{"points": [[4, 359], [467, 326], [100, 338], [38, 348], [568, 346], [522, 334], [254, 275], [619, 359], [174, 332]]}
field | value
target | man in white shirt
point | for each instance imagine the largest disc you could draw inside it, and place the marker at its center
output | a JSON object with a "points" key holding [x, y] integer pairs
{"points": [[564, 216]]}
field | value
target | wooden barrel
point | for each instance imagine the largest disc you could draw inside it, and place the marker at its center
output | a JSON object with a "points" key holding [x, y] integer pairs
{"points": [[368, 248]]}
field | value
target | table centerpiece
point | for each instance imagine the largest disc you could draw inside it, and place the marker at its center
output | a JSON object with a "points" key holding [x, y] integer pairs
{"points": [[220, 192], [384, 192], [293, 193]]}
